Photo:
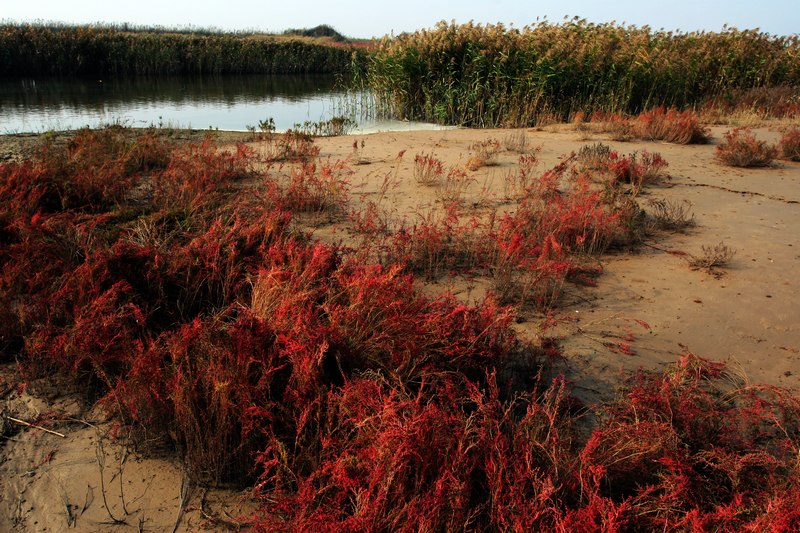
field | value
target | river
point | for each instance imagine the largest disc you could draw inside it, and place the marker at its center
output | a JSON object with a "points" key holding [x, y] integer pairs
{"points": [[234, 103]]}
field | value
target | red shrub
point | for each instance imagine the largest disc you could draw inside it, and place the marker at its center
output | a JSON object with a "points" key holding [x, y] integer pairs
{"points": [[789, 144], [294, 145], [440, 242], [315, 188], [428, 170], [580, 219], [671, 125], [636, 171], [440, 457], [686, 448], [620, 128], [197, 173], [38, 252], [27, 188], [741, 149], [225, 387], [370, 220]]}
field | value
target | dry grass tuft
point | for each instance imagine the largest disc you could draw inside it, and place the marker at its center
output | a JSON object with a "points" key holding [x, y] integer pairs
{"points": [[672, 215], [358, 157], [517, 181], [456, 183], [484, 154], [594, 156], [717, 256], [516, 141], [289, 146]]}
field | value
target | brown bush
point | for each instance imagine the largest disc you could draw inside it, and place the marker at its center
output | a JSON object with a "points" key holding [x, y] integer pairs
{"points": [[742, 149]]}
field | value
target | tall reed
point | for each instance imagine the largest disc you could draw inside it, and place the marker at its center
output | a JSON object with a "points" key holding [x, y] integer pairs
{"points": [[27, 50], [491, 75]]}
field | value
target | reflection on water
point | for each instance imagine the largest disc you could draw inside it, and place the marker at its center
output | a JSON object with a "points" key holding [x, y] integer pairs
{"points": [[226, 103]]}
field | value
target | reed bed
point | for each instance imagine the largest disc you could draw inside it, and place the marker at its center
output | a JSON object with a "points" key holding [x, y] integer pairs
{"points": [[488, 76], [27, 50]]}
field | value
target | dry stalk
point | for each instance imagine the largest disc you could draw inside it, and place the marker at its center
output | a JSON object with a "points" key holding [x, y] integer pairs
{"points": [[34, 426]]}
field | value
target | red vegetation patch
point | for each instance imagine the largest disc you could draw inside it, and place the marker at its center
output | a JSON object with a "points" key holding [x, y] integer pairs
{"points": [[789, 145], [428, 170], [671, 125], [692, 449], [350, 399], [679, 450], [636, 169], [742, 149]]}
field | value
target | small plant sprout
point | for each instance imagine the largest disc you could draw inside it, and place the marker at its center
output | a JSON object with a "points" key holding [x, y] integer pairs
{"points": [[358, 157]]}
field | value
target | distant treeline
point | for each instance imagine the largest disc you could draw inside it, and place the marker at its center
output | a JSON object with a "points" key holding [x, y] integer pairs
{"points": [[323, 30], [491, 75], [27, 50]]}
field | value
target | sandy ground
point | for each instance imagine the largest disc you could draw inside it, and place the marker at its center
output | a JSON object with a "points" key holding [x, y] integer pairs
{"points": [[78, 474], [749, 314]]}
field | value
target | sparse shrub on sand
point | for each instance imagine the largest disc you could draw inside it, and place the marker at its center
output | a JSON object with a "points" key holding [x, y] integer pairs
{"points": [[636, 169], [789, 144], [671, 215], [290, 146], [594, 156], [484, 153], [671, 125], [658, 124], [518, 179], [741, 149], [456, 183], [321, 187], [620, 128], [717, 256], [428, 170], [516, 141]]}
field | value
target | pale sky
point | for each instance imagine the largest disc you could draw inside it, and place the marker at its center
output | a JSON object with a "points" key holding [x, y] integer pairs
{"points": [[378, 18]]}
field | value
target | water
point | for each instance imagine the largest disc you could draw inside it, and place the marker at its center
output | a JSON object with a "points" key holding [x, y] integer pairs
{"points": [[232, 103]]}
